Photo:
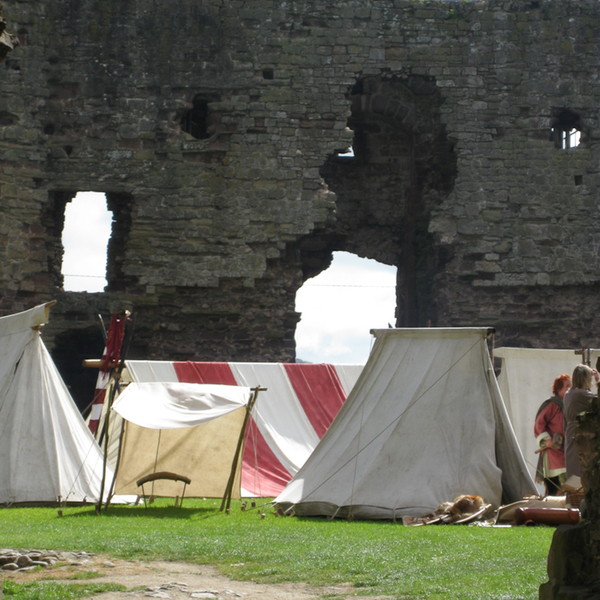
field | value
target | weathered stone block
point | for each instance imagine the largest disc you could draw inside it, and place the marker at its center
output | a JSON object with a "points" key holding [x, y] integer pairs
{"points": [[449, 111]]}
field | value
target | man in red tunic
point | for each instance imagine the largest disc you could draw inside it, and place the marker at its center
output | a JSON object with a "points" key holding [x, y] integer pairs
{"points": [[549, 432]]}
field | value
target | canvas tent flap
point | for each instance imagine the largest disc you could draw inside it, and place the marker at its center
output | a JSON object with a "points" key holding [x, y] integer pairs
{"points": [[422, 425], [154, 370], [183, 428], [204, 453], [176, 405], [23, 321], [47, 451], [516, 481], [348, 375], [285, 426]]}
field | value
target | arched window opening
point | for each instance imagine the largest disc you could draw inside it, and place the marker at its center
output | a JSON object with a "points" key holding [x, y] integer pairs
{"points": [[85, 236], [340, 306], [566, 130]]}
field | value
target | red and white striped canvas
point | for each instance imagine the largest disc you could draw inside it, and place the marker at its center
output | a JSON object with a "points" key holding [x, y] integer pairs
{"points": [[110, 360], [289, 419]]}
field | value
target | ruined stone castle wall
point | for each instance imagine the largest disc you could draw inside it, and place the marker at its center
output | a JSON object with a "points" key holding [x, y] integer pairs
{"points": [[214, 130]]}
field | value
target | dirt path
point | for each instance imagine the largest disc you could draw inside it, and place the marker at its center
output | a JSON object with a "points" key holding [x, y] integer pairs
{"points": [[173, 580]]}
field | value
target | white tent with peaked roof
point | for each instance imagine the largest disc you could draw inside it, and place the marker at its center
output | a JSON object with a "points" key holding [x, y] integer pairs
{"points": [[47, 452], [424, 424]]}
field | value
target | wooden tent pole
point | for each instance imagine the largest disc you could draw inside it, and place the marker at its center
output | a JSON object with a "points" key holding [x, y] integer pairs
{"points": [[111, 489], [226, 502], [105, 459], [116, 376], [116, 387]]}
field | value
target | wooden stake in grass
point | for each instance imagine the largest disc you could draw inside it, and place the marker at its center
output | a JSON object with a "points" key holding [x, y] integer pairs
{"points": [[226, 503]]}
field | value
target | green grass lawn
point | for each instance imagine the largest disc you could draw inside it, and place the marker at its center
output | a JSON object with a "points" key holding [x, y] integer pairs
{"points": [[434, 562], [36, 590]]}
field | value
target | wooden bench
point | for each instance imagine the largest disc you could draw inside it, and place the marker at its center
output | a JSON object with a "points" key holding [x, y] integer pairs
{"points": [[163, 475]]}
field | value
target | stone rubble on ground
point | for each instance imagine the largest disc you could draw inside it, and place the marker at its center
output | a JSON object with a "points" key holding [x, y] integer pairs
{"points": [[162, 591], [26, 560]]}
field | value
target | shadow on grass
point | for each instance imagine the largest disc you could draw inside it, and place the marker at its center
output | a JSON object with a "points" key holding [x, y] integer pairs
{"points": [[152, 512]]}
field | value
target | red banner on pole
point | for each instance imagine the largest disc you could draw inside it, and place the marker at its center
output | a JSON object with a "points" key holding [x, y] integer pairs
{"points": [[110, 359]]}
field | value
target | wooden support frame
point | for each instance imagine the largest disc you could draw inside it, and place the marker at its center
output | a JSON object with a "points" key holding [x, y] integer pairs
{"points": [[226, 502]]}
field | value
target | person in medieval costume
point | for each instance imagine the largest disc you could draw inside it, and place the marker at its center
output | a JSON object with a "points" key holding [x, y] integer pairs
{"points": [[576, 401], [549, 433]]}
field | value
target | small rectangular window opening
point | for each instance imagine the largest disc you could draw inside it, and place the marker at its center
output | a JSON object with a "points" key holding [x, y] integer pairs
{"points": [[574, 137], [566, 139], [85, 236]]}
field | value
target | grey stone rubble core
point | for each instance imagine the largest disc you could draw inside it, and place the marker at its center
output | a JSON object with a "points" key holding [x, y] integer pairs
{"points": [[450, 108], [25, 560]]}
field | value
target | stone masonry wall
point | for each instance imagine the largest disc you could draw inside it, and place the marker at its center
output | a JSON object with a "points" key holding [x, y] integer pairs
{"points": [[214, 127]]}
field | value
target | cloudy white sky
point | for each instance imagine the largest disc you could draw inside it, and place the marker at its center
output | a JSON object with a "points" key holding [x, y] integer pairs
{"points": [[339, 307], [85, 237]]}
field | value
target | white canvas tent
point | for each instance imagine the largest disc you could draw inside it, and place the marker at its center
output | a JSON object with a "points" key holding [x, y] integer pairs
{"points": [[424, 423], [525, 381], [47, 452]]}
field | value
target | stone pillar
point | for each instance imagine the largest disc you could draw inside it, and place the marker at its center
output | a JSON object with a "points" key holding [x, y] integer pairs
{"points": [[574, 559]]}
